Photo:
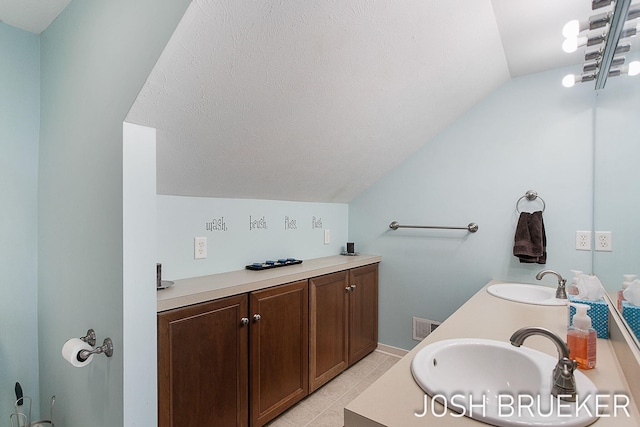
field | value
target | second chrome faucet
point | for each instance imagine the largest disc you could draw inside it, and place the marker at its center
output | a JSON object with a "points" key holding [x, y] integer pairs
{"points": [[561, 292]]}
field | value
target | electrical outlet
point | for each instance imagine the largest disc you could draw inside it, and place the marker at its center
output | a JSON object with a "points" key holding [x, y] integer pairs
{"points": [[583, 240], [199, 247], [603, 241], [327, 237]]}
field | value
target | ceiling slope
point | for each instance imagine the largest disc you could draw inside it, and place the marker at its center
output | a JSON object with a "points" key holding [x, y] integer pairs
{"points": [[31, 15], [317, 100], [531, 33], [313, 100]]}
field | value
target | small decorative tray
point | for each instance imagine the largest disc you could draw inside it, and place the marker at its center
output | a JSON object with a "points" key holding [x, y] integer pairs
{"points": [[273, 264]]}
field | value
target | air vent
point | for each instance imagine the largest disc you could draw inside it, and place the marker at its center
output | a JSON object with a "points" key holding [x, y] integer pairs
{"points": [[423, 327]]}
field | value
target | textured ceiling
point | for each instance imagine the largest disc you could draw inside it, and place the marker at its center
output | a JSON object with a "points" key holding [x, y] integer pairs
{"points": [[317, 100], [313, 100]]}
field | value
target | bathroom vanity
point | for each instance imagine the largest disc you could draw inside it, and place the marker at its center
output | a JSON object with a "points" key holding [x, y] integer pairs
{"points": [[395, 398], [239, 348]]}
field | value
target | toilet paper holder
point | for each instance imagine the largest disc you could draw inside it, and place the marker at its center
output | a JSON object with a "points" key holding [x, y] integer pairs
{"points": [[90, 338]]}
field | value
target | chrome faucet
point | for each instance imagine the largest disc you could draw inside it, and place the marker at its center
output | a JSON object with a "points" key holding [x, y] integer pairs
{"points": [[564, 384], [561, 292]]}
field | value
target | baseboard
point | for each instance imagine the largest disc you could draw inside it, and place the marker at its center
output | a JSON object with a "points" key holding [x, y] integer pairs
{"points": [[391, 351]]}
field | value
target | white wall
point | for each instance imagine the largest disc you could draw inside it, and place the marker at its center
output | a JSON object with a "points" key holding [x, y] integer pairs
{"points": [[139, 278], [529, 134], [19, 123], [293, 230]]}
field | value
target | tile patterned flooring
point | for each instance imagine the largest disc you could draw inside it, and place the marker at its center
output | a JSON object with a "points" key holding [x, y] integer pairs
{"points": [[325, 407]]}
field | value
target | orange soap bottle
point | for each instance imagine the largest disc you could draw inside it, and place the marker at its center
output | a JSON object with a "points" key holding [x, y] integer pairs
{"points": [[582, 338]]}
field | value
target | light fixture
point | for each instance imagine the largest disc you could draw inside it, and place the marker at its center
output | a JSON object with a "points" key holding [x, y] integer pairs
{"points": [[572, 44], [589, 67], [629, 32], [602, 62], [575, 27], [597, 54], [633, 69], [597, 4], [571, 79]]}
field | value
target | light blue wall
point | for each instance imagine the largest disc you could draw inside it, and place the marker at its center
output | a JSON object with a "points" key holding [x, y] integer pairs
{"points": [[617, 184], [19, 123], [529, 134], [232, 244], [95, 58]]}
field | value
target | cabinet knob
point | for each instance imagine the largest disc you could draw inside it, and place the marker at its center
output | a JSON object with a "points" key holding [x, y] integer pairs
{"points": [[347, 289], [256, 317], [244, 321], [353, 288]]}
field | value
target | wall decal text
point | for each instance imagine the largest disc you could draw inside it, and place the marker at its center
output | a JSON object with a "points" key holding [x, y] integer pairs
{"points": [[290, 224], [316, 223], [257, 224], [216, 224]]}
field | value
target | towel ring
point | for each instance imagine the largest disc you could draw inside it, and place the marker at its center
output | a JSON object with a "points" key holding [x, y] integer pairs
{"points": [[531, 196]]}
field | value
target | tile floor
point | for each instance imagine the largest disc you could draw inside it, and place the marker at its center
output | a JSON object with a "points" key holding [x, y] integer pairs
{"points": [[325, 407]]}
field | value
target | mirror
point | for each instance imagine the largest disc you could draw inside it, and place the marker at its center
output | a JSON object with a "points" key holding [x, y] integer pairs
{"points": [[616, 181]]}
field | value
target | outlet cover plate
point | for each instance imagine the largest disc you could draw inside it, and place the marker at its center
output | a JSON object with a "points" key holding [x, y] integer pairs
{"points": [[583, 240], [603, 241], [199, 247]]}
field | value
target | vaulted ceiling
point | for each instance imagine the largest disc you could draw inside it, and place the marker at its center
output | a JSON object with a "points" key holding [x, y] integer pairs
{"points": [[316, 100]]}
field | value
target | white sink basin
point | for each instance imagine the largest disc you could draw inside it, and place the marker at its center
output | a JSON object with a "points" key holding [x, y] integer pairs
{"points": [[499, 379], [528, 294]]}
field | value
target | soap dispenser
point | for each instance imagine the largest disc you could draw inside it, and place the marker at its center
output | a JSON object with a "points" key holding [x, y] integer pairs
{"points": [[628, 278], [582, 338]]}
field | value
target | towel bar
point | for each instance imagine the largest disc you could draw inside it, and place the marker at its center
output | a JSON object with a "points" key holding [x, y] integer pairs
{"points": [[472, 227]]}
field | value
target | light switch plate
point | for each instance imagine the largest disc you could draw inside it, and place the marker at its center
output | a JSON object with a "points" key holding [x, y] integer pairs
{"points": [[327, 237]]}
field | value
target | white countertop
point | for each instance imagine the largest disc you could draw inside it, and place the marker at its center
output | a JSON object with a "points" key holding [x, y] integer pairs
{"points": [[206, 288], [395, 397]]}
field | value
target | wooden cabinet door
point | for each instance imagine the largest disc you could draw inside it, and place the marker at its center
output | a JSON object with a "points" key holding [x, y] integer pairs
{"points": [[363, 311], [328, 330], [279, 353], [203, 365]]}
